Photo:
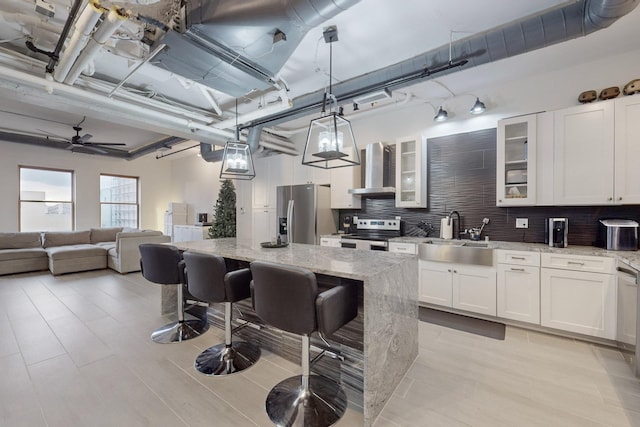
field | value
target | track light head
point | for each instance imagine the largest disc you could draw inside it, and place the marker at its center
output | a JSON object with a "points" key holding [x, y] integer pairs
{"points": [[478, 107], [441, 116]]}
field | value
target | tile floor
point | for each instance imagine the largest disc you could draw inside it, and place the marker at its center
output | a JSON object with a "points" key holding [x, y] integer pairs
{"points": [[75, 351]]}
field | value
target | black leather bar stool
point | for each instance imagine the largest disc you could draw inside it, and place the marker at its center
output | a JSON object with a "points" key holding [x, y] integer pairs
{"points": [[163, 264], [287, 297], [208, 280]]}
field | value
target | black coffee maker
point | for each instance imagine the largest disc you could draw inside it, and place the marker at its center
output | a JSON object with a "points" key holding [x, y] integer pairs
{"points": [[555, 232]]}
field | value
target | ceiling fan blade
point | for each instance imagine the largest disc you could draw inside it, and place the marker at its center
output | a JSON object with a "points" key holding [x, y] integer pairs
{"points": [[70, 147], [105, 143], [84, 138], [90, 148], [52, 134]]}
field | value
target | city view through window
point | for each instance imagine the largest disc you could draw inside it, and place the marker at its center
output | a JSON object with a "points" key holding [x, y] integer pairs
{"points": [[46, 199], [118, 201]]}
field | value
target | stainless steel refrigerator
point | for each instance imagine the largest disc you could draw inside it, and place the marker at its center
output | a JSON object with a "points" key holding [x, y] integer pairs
{"points": [[304, 213]]}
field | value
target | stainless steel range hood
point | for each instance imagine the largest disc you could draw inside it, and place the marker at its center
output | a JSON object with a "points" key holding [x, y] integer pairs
{"points": [[378, 177]]}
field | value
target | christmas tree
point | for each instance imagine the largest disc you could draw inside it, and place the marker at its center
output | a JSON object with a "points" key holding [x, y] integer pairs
{"points": [[224, 224]]}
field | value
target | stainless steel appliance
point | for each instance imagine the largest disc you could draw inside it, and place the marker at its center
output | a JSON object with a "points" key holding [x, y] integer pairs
{"points": [[373, 234], [379, 180], [617, 235], [556, 230], [629, 274], [304, 213]]}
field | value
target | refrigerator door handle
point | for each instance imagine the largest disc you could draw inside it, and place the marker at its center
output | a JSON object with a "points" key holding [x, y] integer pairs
{"points": [[290, 222]]}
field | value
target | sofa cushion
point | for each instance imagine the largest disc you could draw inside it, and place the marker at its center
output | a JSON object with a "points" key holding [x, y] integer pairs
{"points": [[63, 238], [20, 240], [132, 234], [75, 251], [106, 245], [104, 234], [27, 253]]}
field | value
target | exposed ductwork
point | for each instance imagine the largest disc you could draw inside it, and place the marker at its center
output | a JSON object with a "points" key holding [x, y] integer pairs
{"points": [[238, 47], [550, 27]]}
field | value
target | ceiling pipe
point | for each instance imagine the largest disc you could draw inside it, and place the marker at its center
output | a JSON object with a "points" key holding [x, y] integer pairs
{"points": [[557, 25], [53, 57], [126, 112], [83, 28], [110, 25]]}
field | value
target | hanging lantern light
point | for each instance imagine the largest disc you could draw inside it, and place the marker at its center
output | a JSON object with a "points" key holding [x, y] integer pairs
{"points": [[237, 162], [330, 141]]}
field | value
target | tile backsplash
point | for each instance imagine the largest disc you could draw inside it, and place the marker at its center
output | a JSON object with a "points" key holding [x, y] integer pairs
{"points": [[461, 176]]}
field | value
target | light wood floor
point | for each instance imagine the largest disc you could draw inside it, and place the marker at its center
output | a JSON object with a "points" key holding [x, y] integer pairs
{"points": [[75, 351]]}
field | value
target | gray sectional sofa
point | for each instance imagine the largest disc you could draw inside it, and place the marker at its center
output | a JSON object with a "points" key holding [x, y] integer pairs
{"points": [[67, 252]]}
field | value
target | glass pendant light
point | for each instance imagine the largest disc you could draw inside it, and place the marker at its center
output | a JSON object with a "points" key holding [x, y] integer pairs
{"points": [[237, 162], [441, 116], [330, 141], [478, 107]]}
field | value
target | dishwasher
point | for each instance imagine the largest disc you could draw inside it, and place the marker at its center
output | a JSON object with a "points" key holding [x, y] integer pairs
{"points": [[629, 277]]}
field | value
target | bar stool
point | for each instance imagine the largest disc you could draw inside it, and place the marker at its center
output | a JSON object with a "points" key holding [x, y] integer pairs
{"points": [[208, 280], [163, 264], [287, 297]]}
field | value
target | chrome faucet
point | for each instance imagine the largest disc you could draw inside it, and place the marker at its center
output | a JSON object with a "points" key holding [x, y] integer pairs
{"points": [[455, 235]]}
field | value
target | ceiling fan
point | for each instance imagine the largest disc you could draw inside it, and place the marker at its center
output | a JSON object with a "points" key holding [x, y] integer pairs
{"points": [[83, 141]]}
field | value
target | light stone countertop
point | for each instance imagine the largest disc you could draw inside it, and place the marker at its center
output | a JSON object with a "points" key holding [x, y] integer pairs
{"points": [[631, 258]]}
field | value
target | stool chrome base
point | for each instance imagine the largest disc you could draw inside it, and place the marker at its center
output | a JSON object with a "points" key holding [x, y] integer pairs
{"points": [[323, 405], [225, 359], [180, 331]]}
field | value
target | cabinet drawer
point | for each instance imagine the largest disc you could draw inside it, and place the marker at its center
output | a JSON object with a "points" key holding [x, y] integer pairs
{"points": [[518, 257], [594, 264], [403, 248]]}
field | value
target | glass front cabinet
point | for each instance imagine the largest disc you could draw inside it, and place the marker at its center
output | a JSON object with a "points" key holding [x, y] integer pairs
{"points": [[411, 172], [516, 161]]}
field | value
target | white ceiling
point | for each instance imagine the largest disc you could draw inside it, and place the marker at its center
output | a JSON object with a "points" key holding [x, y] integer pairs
{"points": [[372, 34]]}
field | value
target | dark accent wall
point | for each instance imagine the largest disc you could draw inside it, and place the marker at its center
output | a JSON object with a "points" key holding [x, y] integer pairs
{"points": [[462, 176]]}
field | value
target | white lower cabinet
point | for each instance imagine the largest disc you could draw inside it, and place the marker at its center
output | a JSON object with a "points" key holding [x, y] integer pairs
{"points": [[627, 307], [518, 285], [263, 225], [578, 301], [464, 287]]}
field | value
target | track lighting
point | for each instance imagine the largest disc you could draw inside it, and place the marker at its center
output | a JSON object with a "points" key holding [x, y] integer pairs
{"points": [[441, 116], [478, 107]]}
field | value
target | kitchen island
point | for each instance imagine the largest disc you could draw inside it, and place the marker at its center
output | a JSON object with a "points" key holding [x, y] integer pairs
{"points": [[389, 304]]}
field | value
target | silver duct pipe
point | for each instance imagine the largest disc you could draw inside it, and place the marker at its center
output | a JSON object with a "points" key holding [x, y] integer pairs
{"points": [[534, 32], [210, 155]]}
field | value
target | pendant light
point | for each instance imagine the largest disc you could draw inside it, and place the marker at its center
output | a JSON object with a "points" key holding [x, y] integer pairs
{"points": [[236, 159], [330, 142], [442, 115]]}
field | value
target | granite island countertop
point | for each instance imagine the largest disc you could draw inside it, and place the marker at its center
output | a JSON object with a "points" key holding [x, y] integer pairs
{"points": [[631, 258], [389, 303]]}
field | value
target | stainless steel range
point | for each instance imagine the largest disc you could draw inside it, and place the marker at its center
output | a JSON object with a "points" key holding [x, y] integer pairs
{"points": [[373, 234]]}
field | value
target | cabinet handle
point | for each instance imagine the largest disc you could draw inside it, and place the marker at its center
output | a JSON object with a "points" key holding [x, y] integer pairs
{"points": [[610, 199], [500, 200], [518, 257], [517, 269], [449, 270], [575, 262], [455, 271], [619, 198]]}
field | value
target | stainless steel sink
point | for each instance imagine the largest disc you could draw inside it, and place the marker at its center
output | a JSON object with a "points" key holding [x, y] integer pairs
{"points": [[456, 251]]}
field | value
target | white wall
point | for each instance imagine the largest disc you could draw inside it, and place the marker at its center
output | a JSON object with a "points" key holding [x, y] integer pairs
{"points": [[155, 183], [195, 182]]}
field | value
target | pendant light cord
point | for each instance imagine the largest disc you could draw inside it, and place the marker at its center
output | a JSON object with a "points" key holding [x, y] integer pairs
{"points": [[237, 129]]}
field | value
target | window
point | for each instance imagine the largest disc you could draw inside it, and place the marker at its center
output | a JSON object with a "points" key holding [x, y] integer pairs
{"points": [[46, 199], [118, 201]]}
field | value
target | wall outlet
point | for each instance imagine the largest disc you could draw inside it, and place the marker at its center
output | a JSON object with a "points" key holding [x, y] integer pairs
{"points": [[522, 222]]}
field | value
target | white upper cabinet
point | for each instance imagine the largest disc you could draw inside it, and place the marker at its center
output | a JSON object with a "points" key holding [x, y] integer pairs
{"points": [[516, 161], [411, 173], [270, 173], [627, 150], [583, 148], [342, 179], [303, 174]]}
